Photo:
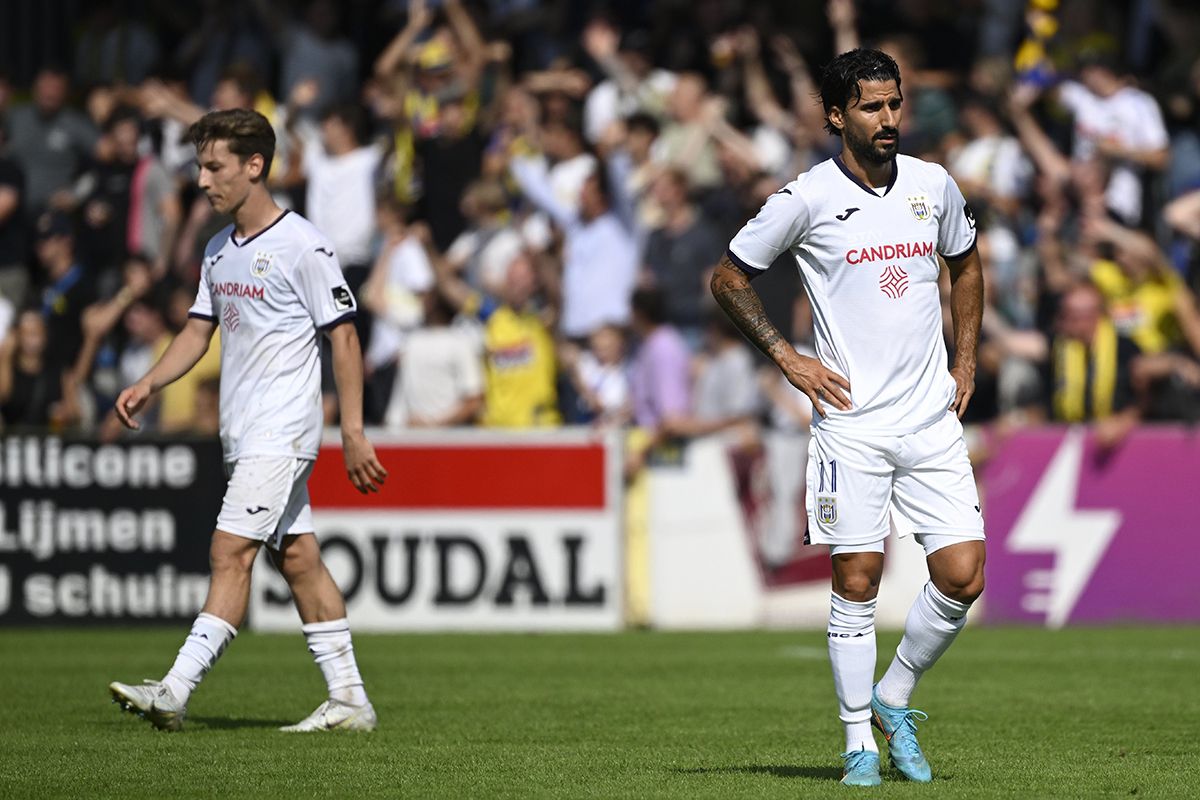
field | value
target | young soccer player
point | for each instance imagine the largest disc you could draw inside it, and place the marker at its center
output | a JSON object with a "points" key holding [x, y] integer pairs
{"points": [[271, 281]]}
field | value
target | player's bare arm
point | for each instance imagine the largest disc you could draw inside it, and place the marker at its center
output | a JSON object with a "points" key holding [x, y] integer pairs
{"points": [[362, 465], [966, 307], [181, 355], [731, 287]]}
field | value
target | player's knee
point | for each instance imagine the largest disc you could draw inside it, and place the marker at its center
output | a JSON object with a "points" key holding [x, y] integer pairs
{"points": [[964, 587], [857, 587], [224, 558], [298, 564]]}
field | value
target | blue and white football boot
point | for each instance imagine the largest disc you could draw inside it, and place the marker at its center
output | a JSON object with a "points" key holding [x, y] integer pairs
{"points": [[899, 727], [861, 769]]}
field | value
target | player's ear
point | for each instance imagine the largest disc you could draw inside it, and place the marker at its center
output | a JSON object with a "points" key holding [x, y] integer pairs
{"points": [[837, 118], [254, 166]]}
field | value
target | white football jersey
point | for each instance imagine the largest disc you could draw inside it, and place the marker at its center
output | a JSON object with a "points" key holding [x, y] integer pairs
{"points": [[869, 261], [272, 294]]}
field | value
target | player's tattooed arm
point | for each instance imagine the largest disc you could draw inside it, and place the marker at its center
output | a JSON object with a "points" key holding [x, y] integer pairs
{"points": [[733, 292], [966, 308], [731, 287]]}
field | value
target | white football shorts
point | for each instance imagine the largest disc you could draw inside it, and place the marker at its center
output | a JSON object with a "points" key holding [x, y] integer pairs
{"points": [[854, 481], [267, 498]]}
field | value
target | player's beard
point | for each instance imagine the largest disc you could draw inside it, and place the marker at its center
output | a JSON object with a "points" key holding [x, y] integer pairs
{"points": [[871, 150]]}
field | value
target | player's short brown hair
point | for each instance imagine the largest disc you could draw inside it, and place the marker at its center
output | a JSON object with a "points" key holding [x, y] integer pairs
{"points": [[244, 131]]}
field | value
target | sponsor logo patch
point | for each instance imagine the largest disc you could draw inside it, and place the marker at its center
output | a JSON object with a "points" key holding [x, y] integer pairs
{"points": [[342, 299], [887, 252], [893, 282], [231, 317], [235, 289]]}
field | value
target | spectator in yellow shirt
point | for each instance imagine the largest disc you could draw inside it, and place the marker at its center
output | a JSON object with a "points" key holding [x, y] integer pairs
{"points": [[518, 350], [1146, 300]]}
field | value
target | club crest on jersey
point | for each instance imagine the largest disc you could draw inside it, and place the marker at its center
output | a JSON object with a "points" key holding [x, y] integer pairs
{"points": [[827, 509], [261, 264], [919, 205]]}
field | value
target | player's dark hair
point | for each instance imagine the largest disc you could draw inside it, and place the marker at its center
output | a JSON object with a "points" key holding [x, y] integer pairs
{"points": [[840, 79], [651, 303], [245, 132]]}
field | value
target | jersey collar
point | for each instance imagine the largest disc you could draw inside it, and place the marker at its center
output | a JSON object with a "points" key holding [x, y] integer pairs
{"points": [[250, 239], [846, 171]]}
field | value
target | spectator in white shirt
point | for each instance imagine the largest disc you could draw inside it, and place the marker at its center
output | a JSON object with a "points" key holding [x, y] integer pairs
{"points": [[632, 85], [340, 165], [394, 294], [440, 382], [490, 230], [600, 255], [571, 163], [1119, 126], [989, 167], [601, 377]]}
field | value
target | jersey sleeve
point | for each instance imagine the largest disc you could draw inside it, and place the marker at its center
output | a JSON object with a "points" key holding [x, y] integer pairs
{"points": [[956, 226], [202, 308], [321, 286], [781, 223]]}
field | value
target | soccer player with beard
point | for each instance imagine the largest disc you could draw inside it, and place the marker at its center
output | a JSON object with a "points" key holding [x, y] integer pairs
{"points": [[272, 282], [867, 228]]}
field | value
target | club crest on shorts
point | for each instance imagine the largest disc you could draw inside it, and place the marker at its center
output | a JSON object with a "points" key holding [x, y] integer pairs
{"points": [[261, 265], [919, 205], [827, 509]]}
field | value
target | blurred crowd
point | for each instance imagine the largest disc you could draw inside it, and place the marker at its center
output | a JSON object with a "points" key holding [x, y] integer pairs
{"points": [[528, 199]]}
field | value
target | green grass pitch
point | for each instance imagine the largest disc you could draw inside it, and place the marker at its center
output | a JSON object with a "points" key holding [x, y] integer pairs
{"points": [[1021, 713]]}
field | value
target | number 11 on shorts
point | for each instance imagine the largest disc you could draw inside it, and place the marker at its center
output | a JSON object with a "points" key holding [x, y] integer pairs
{"points": [[832, 477]]}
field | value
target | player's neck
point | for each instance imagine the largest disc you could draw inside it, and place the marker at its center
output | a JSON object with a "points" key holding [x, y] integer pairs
{"points": [[873, 175], [255, 214]]}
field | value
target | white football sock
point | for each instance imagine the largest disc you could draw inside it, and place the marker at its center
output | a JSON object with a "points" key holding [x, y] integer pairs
{"points": [[330, 645], [933, 622], [852, 654], [209, 637]]}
